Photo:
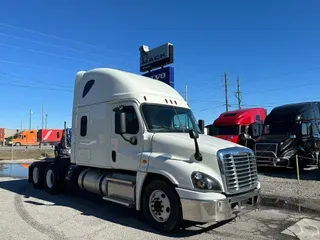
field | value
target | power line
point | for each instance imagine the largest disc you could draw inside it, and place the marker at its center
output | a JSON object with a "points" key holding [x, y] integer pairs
{"points": [[61, 38], [206, 101], [288, 74], [32, 80], [35, 87], [52, 45], [255, 105], [278, 89], [36, 66], [56, 55], [211, 108]]}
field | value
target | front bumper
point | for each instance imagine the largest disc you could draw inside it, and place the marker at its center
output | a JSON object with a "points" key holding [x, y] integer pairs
{"points": [[216, 207], [272, 161]]}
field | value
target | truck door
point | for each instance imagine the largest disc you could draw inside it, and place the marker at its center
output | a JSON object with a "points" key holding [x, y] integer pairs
{"points": [[126, 155], [310, 137], [315, 135]]}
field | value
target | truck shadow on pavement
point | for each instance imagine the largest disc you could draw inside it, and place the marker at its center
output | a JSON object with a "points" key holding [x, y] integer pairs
{"points": [[89, 205], [309, 173]]}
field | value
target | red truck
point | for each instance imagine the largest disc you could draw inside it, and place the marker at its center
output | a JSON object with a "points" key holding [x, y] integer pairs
{"points": [[40, 137], [49, 136], [229, 125]]}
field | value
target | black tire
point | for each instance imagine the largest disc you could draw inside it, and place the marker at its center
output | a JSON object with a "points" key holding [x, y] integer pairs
{"points": [[51, 179], [174, 220], [37, 175]]}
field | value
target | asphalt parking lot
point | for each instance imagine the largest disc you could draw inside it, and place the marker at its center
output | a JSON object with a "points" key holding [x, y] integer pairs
{"points": [[27, 213]]}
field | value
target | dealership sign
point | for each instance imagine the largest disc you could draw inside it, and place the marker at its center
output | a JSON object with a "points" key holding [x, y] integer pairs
{"points": [[165, 75], [156, 57]]}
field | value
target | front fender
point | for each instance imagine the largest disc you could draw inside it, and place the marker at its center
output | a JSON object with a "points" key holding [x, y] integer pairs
{"points": [[141, 177], [289, 154]]}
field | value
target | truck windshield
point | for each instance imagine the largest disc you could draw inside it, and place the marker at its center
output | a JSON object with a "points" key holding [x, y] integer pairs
{"points": [[282, 128], [163, 118], [225, 130]]}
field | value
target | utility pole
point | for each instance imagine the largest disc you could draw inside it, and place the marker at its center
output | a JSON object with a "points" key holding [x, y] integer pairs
{"points": [[42, 118], [20, 125], [238, 93], [186, 93], [226, 90], [186, 99], [46, 124], [30, 123]]}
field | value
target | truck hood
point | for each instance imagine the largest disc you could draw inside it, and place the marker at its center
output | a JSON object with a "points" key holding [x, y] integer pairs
{"points": [[272, 138], [174, 152], [232, 138], [181, 146]]}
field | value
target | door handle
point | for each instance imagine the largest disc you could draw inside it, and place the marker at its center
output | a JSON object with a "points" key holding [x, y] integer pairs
{"points": [[113, 155]]}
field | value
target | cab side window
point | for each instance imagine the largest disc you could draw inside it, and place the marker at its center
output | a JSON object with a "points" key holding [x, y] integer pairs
{"points": [[307, 129], [244, 129], [132, 123], [83, 126]]}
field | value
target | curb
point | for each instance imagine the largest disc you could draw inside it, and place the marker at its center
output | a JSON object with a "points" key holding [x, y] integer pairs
{"points": [[293, 204]]}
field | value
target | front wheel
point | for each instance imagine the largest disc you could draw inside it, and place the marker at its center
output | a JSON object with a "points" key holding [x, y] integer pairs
{"points": [[161, 206]]}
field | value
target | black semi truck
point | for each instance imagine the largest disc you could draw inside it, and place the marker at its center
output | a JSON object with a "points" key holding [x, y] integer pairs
{"points": [[290, 130]]}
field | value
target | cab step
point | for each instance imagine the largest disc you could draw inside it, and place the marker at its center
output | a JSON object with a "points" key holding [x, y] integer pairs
{"points": [[119, 201]]}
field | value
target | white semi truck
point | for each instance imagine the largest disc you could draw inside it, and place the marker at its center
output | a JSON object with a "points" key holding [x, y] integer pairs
{"points": [[136, 142]]}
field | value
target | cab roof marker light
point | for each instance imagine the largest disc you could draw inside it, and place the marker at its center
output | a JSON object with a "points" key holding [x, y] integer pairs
{"points": [[145, 98], [170, 101], [166, 101], [175, 102]]}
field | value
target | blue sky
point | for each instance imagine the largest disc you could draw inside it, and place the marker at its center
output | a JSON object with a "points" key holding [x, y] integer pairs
{"points": [[271, 45]]}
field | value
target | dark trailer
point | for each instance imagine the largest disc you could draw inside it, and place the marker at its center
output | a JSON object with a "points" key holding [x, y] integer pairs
{"points": [[290, 130]]}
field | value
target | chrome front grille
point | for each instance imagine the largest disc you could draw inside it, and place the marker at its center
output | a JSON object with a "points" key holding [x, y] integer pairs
{"points": [[239, 169], [270, 147], [266, 152]]}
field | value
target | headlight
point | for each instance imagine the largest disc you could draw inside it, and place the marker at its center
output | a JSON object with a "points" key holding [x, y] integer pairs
{"points": [[203, 181]]}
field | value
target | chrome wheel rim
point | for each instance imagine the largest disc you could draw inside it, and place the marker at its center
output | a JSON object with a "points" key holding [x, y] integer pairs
{"points": [[159, 206]]}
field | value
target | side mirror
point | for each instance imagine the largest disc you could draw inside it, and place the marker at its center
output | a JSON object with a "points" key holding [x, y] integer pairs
{"points": [[201, 125], [193, 134], [123, 124]]}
